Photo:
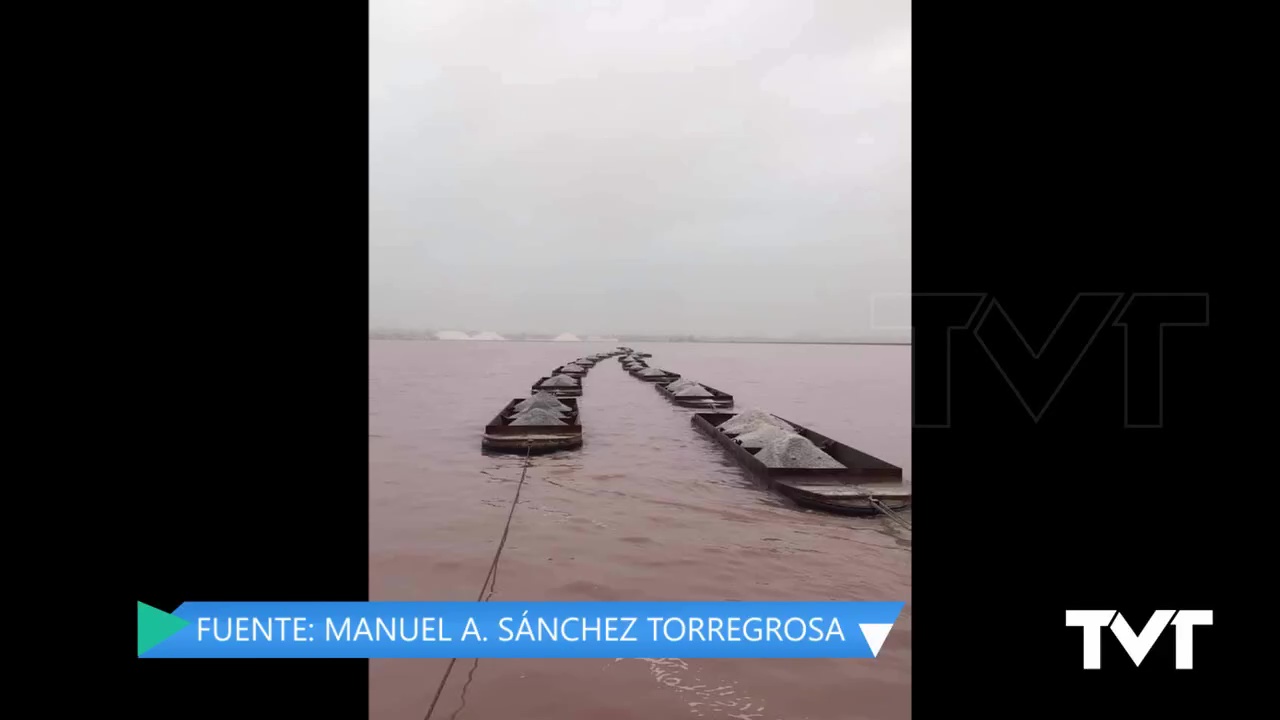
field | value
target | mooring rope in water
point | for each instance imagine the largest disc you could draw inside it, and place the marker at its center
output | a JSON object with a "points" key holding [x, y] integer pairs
{"points": [[488, 579], [889, 513]]}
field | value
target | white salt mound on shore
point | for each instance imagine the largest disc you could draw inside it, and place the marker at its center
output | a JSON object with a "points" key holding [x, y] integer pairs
{"points": [[560, 381], [538, 416], [794, 451], [545, 400], [694, 390], [752, 420], [763, 436]]}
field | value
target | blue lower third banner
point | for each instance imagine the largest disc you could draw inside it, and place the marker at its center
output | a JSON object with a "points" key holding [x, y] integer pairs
{"points": [[517, 630]]}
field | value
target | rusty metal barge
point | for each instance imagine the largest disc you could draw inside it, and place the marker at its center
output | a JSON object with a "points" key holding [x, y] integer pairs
{"points": [[716, 398], [564, 391], [501, 436], [864, 486]]}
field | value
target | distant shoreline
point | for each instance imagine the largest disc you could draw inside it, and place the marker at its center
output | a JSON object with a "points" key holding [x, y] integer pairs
{"points": [[792, 342], [671, 342]]}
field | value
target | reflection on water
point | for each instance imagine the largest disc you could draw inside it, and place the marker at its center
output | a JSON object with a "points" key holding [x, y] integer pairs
{"points": [[647, 509]]}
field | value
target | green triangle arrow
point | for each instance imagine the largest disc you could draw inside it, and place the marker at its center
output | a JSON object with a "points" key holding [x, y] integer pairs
{"points": [[155, 626]]}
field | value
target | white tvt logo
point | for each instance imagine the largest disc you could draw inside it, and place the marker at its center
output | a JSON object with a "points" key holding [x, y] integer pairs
{"points": [[1137, 645]]}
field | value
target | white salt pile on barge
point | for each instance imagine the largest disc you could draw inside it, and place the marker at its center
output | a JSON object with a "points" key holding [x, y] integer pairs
{"points": [[538, 416], [652, 372], [558, 413], [752, 420], [794, 451], [560, 381], [542, 399], [572, 367], [680, 384], [762, 436], [693, 390]]}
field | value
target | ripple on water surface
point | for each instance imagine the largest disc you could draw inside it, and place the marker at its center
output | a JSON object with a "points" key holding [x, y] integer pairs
{"points": [[647, 509]]}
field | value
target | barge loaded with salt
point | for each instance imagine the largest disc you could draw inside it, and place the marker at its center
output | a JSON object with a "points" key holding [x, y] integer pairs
{"points": [[540, 423], [654, 375], [574, 369], [806, 466], [561, 385], [690, 393]]}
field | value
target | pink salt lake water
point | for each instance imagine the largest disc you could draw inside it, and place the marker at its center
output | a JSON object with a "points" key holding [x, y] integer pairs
{"points": [[648, 509]]}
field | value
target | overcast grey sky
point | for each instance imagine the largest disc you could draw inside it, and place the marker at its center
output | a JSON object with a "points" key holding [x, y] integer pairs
{"points": [[615, 166]]}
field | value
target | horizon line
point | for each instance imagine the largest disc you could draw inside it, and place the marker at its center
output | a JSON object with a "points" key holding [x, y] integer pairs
{"points": [[722, 341]]}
